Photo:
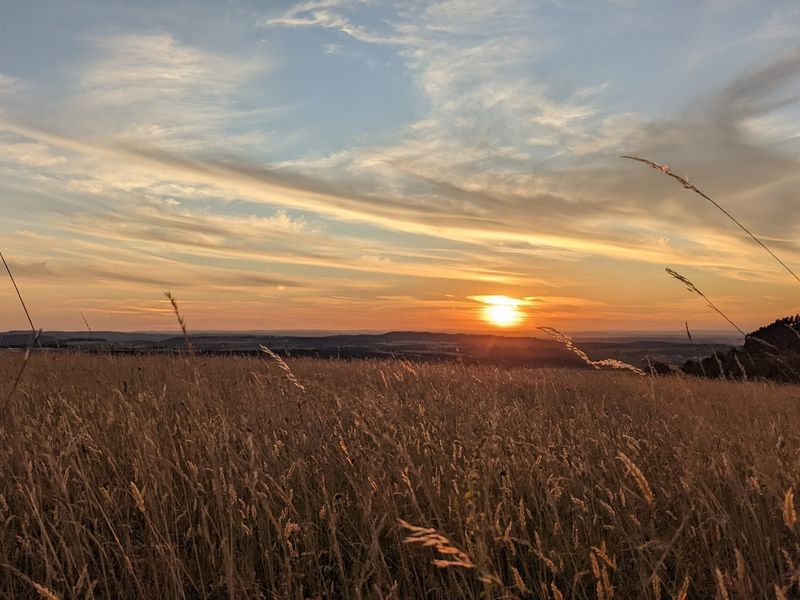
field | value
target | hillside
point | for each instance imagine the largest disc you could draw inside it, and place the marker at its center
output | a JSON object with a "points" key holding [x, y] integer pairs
{"points": [[770, 352]]}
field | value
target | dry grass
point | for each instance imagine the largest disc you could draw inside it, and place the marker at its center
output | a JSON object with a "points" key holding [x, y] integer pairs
{"points": [[569, 343], [130, 477]]}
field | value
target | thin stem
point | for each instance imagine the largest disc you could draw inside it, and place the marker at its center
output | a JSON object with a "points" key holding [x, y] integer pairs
{"points": [[19, 295], [86, 323], [693, 288], [181, 321], [690, 186], [21, 371]]}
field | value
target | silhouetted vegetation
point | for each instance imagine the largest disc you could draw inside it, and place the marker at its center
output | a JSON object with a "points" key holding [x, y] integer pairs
{"points": [[770, 352]]}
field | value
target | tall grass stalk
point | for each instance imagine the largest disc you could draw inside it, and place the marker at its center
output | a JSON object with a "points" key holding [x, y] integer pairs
{"points": [[25, 360], [19, 294], [690, 186], [284, 367], [570, 345], [85, 322], [695, 290], [181, 321]]}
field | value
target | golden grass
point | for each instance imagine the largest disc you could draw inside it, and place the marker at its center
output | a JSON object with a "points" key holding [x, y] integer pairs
{"points": [[287, 370], [132, 477], [569, 343]]}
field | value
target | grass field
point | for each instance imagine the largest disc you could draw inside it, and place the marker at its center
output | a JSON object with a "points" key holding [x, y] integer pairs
{"points": [[162, 477]]}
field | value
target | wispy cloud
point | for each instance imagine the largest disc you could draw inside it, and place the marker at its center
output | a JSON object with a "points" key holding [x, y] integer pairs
{"points": [[30, 154], [327, 14], [157, 163], [152, 86], [9, 85], [550, 228]]}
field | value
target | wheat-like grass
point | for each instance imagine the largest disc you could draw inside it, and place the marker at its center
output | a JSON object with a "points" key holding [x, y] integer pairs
{"points": [[683, 593], [138, 496], [42, 591], [638, 477], [557, 595], [284, 367], [722, 588], [569, 343], [181, 321], [789, 514], [428, 537], [45, 592], [129, 494]]}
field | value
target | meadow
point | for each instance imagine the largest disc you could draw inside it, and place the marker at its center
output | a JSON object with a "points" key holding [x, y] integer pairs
{"points": [[221, 477]]}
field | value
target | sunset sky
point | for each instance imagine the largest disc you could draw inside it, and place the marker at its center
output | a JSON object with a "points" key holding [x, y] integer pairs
{"points": [[367, 165]]}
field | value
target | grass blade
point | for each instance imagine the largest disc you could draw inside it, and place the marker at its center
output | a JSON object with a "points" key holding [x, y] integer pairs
{"points": [[19, 294], [690, 186], [597, 364]]}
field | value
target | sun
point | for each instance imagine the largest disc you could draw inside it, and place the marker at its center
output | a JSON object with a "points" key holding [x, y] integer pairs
{"points": [[501, 311], [501, 315]]}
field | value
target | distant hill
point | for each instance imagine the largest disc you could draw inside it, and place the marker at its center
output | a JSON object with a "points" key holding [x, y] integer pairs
{"points": [[424, 346]]}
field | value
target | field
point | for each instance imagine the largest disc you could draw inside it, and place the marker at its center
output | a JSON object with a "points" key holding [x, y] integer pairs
{"points": [[172, 477]]}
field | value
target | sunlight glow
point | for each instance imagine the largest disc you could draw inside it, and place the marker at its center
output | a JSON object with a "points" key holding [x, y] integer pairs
{"points": [[501, 311]]}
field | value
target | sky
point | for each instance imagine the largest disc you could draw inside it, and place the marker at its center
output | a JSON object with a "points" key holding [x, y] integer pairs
{"points": [[369, 165]]}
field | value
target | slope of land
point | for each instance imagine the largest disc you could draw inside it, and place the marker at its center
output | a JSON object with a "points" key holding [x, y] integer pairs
{"points": [[770, 352], [171, 477]]}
